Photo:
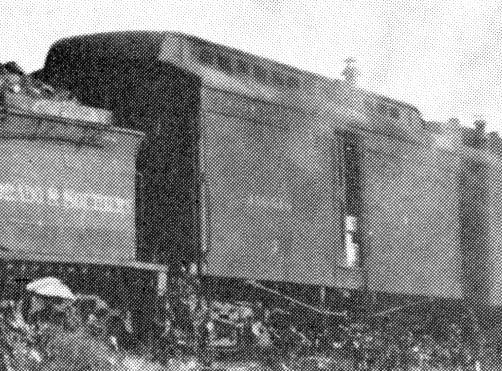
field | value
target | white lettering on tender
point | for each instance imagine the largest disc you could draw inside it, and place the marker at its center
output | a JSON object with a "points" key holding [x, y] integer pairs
{"points": [[67, 198], [7, 192], [30, 194], [52, 196]]}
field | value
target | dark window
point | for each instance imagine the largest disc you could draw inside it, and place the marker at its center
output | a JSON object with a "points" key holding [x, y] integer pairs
{"points": [[472, 138], [206, 57], [352, 177], [224, 63], [475, 167], [260, 74], [277, 79], [140, 214], [352, 180], [292, 82], [241, 67], [433, 127], [382, 109], [394, 113]]}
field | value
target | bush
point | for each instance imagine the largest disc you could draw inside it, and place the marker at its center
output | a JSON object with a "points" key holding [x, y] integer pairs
{"points": [[68, 351]]}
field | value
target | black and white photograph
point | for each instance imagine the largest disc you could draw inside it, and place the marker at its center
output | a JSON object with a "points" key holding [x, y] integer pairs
{"points": [[251, 185]]}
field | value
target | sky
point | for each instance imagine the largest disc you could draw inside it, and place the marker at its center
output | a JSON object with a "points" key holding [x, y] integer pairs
{"points": [[443, 56]]}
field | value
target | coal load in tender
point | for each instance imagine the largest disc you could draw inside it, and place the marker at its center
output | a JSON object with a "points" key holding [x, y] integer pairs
{"points": [[22, 93]]}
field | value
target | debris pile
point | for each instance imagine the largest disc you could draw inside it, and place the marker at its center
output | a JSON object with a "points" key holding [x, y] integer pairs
{"points": [[48, 329]]}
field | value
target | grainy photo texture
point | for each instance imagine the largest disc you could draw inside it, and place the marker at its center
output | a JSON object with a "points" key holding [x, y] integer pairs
{"points": [[251, 185]]}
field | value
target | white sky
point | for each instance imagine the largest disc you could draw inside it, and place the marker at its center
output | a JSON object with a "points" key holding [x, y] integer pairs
{"points": [[443, 56]]}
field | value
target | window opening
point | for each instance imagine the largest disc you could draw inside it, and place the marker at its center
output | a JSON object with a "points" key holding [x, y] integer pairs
{"points": [[224, 63], [277, 79], [394, 113], [292, 83], [382, 109], [241, 67], [206, 57], [260, 74]]}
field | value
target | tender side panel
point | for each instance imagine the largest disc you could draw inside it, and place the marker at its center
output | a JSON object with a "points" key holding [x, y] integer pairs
{"points": [[64, 199], [411, 202], [271, 192]]}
